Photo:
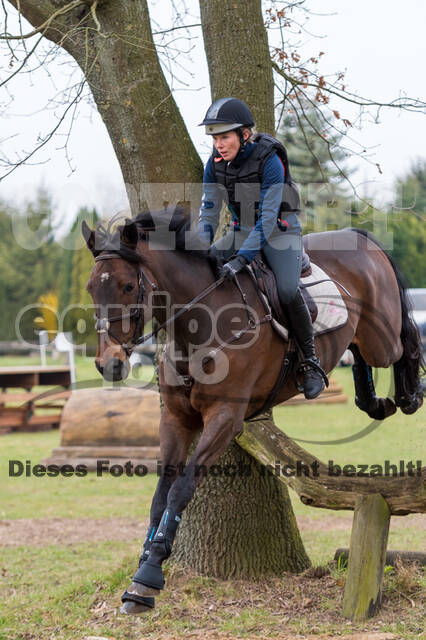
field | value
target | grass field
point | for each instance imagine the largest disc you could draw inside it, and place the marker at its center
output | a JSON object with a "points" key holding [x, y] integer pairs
{"points": [[71, 590]]}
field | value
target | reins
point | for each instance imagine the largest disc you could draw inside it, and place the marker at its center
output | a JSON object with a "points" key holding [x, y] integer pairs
{"points": [[103, 325], [179, 313]]}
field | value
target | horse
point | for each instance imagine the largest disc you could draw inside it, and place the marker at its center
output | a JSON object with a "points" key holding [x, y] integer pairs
{"points": [[223, 358]]}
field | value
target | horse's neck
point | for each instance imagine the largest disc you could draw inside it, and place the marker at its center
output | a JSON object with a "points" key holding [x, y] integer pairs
{"points": [[181, 277]]}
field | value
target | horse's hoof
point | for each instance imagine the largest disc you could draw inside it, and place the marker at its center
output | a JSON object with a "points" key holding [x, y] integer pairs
{"points": [[130, 608], [384, 408], [412, 407], [142, 590]]}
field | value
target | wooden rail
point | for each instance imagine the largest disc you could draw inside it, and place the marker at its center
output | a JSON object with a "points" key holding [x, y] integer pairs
{"points": [[21, 410], [373, 499]]}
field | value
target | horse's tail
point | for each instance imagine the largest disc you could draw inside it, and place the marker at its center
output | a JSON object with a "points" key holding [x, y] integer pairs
{"points": [[411, 367]]}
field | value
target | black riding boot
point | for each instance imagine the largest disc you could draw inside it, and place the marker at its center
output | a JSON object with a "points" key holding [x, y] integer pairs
{"points": [[301, 326]]}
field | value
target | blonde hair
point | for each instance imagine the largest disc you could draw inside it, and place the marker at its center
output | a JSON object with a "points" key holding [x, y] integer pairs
{"points": [[252, 134]]}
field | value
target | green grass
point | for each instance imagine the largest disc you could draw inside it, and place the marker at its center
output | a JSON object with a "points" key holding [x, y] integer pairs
{"points": [[56, 592]]}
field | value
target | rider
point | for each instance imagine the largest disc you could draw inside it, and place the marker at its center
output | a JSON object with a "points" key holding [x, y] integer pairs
{"points": [[247, 173]]}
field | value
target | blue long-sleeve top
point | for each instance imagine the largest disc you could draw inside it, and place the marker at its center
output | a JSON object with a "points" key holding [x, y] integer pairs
{"points": [[271, 193]]}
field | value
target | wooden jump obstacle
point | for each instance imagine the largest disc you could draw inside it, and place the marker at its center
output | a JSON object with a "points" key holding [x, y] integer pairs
{"points": [[115, 424], [333, 394], [106, 424], [373, 500], [21, 411]]}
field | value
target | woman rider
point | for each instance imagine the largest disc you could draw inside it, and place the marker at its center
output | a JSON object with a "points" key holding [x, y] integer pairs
{"points": [[246, 172]]}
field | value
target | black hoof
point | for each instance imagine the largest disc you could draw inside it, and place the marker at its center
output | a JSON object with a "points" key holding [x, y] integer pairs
{"points": [[385, 408], [412, 407], [377, 408]]}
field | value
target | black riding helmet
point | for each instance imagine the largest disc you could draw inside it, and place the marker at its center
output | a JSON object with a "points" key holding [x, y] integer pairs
{"points": [[227, 114]]}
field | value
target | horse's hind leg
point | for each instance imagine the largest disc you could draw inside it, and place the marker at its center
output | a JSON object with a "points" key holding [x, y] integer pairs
{"points": [[408, 392], [365, 393]]}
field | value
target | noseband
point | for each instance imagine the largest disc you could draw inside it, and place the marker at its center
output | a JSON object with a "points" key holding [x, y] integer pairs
{"points": [[103, 325]]}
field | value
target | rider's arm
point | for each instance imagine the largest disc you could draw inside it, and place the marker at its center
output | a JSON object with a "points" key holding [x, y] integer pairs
{"points": [[269, 205], [211, 204]]}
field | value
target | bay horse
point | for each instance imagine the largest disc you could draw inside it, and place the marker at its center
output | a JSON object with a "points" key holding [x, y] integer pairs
{"points": [[224, 362]]}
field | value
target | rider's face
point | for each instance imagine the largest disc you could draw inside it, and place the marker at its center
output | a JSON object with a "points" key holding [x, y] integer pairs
{"points": [[228, 144]]}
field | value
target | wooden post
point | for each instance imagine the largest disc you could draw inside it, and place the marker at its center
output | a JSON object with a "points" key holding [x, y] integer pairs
{"points": [[367, 556]]}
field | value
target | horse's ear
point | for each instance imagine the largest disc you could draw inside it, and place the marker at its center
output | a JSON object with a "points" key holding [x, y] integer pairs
{"points": [[88, 235], [129, 234]]}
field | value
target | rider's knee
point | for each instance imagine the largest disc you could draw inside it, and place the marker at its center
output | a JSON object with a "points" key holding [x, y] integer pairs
{"points": [[287, 294]]}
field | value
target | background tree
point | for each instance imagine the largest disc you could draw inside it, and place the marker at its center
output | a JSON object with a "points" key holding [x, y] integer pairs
{"points": [[29, 260], [405, 221], [312, 168], [309, 153]]}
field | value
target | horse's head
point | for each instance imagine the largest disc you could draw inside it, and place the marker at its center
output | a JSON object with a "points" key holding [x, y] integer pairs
{"points": [[117, 287]]}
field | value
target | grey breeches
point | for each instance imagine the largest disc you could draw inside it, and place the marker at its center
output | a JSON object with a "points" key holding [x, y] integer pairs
{"points": [[283, 253]]}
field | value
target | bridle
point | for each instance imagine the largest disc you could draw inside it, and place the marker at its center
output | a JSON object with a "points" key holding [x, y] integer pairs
{"points": [[103, 324]]}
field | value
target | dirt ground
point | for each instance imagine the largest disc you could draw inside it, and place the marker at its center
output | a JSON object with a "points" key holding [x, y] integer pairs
{"points": [[43, 531]]}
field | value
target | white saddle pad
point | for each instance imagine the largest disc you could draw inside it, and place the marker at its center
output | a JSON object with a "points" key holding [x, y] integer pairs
{"points": [[332, 311]]}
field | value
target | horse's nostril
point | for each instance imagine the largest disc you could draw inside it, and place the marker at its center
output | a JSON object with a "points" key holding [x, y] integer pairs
{"points": [[115, 369]]}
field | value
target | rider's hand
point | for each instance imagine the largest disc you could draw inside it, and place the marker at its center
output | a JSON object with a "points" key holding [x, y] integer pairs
{"points": [[216, 258], [231, 268]]}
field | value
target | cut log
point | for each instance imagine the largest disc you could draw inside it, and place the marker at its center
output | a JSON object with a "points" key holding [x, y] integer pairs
{"points": [[111, 425], [369, 537], [107, 417]]}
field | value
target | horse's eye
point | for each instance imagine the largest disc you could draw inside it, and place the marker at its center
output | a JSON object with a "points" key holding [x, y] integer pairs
{"points": [[128, 288]]}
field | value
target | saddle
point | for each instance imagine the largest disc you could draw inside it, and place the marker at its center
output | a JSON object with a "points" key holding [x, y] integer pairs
{"points": [[264, 279]]}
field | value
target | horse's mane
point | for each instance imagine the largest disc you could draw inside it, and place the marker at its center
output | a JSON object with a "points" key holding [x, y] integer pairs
{"points": [[167, 228], [178, 223]]}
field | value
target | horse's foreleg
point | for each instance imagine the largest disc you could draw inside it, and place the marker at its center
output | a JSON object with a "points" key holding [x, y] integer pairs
{"points": [[175, 441], [365, 393], [221, 425]]}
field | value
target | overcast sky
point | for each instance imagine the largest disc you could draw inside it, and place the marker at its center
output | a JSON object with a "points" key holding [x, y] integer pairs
{"points": [[381, 44]]}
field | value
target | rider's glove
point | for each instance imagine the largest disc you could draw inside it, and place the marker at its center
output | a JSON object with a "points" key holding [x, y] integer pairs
{"points": [[231, 268]]}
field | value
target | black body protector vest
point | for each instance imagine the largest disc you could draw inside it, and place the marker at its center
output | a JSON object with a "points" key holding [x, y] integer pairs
{"points": [[243, 181]]}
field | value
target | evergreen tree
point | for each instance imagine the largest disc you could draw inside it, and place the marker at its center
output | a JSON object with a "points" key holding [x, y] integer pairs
{"points": [[408, 224], [311, 165], [30, 260]]}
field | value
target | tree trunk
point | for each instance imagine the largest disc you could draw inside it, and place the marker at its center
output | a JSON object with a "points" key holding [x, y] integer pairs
{"points": [[242, 526], [112, 42], [237, 52]]}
